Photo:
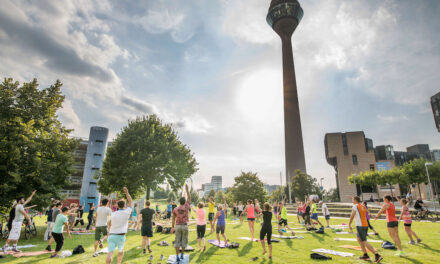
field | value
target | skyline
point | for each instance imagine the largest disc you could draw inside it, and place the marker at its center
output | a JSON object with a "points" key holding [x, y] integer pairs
{"points": [[214, 70]]}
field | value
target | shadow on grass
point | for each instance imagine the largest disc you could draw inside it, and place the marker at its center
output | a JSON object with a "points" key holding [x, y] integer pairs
{"points": [[237, 226], [319, 236], [424, 246], [412, 260], [246, 248], [205, 255]]}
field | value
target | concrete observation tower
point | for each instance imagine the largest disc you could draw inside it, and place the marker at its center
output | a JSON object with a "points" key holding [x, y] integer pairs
{"points": [[284, 16]]}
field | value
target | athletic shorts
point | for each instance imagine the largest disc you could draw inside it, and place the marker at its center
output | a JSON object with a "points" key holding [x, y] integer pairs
{"points": [[100, 230], [362, 232], [266, 231], [392, 224], [181, 236], [315, 216], [239, 212], [220, 229], [147, 231], [211, 216], [251, 219], [116, 241], [14, 234], [282, 222], [407, 225], [168, 215], [327, 217], [201, 229]]}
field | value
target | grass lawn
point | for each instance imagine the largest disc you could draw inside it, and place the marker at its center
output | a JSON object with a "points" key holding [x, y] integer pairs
{"points": [[287, 251]]}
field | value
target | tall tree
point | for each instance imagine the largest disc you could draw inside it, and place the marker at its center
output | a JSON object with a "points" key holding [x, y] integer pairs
{"points": [[219, 196], [248, 186], [35, 149], [211, 194], [303, 184], [146, 153]]}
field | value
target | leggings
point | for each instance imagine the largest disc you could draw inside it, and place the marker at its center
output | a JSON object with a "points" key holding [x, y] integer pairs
{"points": [[369, 225], [90, 223], [59, 239], [201, 229], [266, 231], [79, 221], [307, 219]]}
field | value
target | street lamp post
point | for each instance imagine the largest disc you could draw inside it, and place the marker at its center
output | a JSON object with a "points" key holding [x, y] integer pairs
{"points": [[429, 183]]}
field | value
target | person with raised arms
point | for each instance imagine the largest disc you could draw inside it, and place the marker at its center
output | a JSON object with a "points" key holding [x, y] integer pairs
{"points": [[240, 208], [220, 218], [283, 218], [405, 215], [211, 207], [180, 224], [201, 225], [118, 226], [58, 228], [392, 222], [325, 213], [102, 214], [359, 213], [19, 214], [266, 229], [250, 211]]}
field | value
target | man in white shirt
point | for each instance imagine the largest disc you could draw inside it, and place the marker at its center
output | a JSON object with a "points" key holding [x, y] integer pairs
{"points": [[325, 212], [118, 226], [15, 231], [102, 214]]}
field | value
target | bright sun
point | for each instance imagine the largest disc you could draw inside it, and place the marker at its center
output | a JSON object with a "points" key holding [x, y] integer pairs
{"points": [[260, 95]]}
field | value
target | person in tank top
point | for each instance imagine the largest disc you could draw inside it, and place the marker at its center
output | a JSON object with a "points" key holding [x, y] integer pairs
{"points": [[220, 218], [392, 222], [250, 210], [405, 215]]}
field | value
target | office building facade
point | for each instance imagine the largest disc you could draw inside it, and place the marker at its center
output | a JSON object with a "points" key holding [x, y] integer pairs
{"points": [[435, 105]]}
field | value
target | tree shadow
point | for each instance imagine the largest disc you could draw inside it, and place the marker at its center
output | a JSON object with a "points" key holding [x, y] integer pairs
{"points": [[237, 226], [289, 242], [424, 246], [203, 256], [412, 260], [318, 236], [246, 248]]}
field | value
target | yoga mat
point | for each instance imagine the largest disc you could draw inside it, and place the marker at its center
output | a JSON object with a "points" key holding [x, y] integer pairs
{"points": [[288, 237], [103, 251], [215, 243], [32, 254], [257, 240], [24, 246], [354, 247], [75, 233], [189, 248], [350, 233], [355, 240], [303, 232], [333, 252], [172, 259]]}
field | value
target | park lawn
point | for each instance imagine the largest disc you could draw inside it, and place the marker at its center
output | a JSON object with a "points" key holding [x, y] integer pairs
{"points": [[287, 251]]}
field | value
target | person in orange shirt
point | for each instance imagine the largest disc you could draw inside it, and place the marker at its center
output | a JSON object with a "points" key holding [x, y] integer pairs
{"points": [[392, 222], [359, 213]]}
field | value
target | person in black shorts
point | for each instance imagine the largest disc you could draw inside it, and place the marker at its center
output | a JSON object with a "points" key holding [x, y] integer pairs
{"points": [[146, 215], [266, 228], [79, 216], [307, 222]]}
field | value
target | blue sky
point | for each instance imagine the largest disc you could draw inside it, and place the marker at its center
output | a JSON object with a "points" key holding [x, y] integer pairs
{"points": [[213, 69]]}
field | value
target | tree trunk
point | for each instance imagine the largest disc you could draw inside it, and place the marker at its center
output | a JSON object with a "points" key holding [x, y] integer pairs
{"points": [[148, 193], [420, 192]]}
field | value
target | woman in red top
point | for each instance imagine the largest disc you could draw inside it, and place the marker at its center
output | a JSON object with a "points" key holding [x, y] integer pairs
{"points": [[392, 222], [250, 217]]}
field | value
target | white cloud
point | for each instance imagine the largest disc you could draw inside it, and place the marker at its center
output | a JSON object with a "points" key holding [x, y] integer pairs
{"points": [[392, 119]]}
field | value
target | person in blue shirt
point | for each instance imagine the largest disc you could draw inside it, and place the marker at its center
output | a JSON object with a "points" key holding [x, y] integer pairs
{"points": [[169, 209]]}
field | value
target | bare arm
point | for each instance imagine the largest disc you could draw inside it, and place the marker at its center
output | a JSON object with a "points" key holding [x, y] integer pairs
{"points": [[30, 197], [29, 207], [215, 218], [66, 225], [384, 207], [138, 222], [26, 215], [353, 213], [127, 194]]}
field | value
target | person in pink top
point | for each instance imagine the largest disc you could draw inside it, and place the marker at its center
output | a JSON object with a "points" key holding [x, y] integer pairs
{"points": [[180, 224], [405, 215], [392, 222], [250, 210], [201, 225]]}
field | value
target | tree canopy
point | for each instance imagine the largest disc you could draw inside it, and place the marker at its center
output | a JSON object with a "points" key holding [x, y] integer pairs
{"points": [[302, 185], [144, 154], [248, 186], [36, 152]]}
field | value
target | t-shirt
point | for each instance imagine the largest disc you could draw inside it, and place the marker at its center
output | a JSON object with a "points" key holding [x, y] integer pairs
{"points": [[58, 227], [119, 221], [55, 212], [284, 213], [147, 216], [49, 215], [181, 213], [267, 219], [200, 212], [19, 216], [80, 213], [361, 215], [307, 212], [102, 213], [418, 204], [211, 207], [313, 207], [169, 208], [324, 207], [134, 212]]}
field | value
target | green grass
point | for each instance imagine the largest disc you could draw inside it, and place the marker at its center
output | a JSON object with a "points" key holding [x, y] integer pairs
{"points": [[287, 251]]}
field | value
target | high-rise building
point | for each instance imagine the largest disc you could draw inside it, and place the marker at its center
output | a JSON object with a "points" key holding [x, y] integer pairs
{"points": [[284, 16], [270, 188], [435, 105], [215, 184], [435, 155], [420, 150], [384, 152], [351, 153], [73, 191]]}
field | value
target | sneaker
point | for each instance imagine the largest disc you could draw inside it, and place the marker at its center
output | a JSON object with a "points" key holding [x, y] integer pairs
{"points": [[399, 253], [151, 257], [95, 254], [376, 234], [16, 250], [161, 257], [378, 258], [412, 242], [364, 257], [144, 251], [419, 240], [48, 248], [53, 256], [5, 250], [149, 250]]}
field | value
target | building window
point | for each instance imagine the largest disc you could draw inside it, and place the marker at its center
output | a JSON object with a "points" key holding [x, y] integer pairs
{"points": [[95, 168], [371, 167], [97, 154], [100, 141], [344, 144], [355, 159]]}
